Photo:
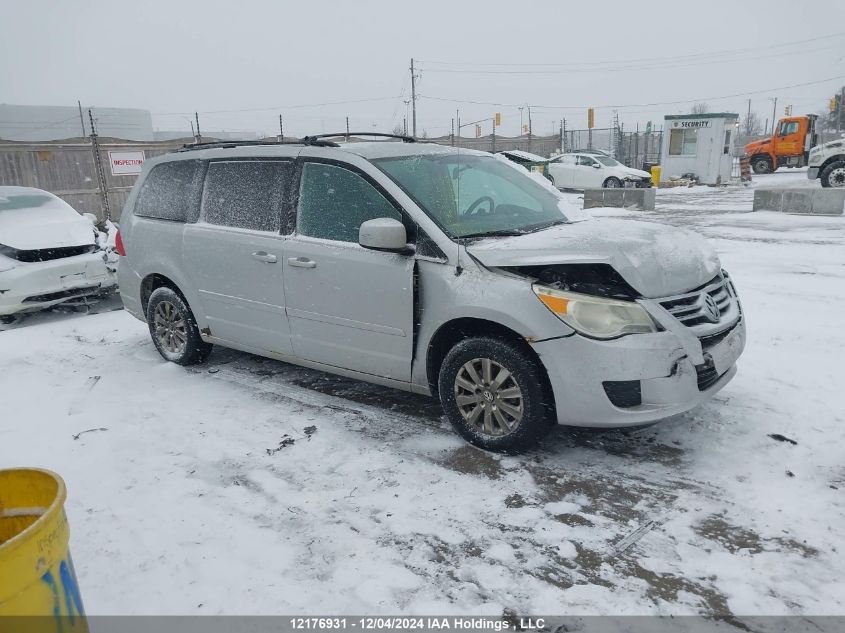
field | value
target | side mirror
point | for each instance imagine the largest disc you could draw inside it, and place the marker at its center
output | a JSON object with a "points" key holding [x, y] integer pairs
{"points": [[596, 166], [383, 234]]}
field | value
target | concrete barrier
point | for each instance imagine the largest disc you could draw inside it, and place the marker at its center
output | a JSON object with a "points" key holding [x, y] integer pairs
{"points": [[627, 198], [801, 201]]}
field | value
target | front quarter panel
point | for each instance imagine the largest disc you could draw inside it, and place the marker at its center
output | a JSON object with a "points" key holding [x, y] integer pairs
{"points": [[477, 293]]}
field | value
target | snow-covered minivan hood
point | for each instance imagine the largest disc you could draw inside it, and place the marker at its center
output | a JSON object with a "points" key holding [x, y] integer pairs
{"points": [[657, 260], [639, 173]]}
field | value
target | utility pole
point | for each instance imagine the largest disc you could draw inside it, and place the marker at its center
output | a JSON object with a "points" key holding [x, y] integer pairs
{"points": [[198, 137], [347, 128], [563, 136], [281, 129], [774, 115], [413, 101], [81, 119], [530, 129], [452, 135], [458, 119], [840, 121], [101, 174]]}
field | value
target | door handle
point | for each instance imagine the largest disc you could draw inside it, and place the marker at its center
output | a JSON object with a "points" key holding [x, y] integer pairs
{"points": [[302, 262], [264, 256]]}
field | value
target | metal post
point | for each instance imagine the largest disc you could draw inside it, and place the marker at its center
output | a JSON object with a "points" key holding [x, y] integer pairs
{"points": [[347, 128], [840, 122], [530, 129], [748, 120], [198, 137], [281, 129], [562, 128], [452, 135], [493, 138], [413, 101], [458, 118], [81, 119], [101, 174]]}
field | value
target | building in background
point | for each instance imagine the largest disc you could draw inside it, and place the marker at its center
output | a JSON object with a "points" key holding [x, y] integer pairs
{"points": [[33, 123]]}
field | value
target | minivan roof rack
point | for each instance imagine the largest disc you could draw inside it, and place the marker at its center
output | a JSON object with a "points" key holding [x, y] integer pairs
{"points": [[315, 137], [188, 147]]}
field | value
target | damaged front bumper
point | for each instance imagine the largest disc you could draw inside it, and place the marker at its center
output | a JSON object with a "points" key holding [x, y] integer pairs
{"points": [[637, 379], [33, 286]]}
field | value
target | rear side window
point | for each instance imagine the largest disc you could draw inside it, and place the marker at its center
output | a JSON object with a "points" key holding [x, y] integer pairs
{"points": [[334, 202], [246, 194], [169, 191]]}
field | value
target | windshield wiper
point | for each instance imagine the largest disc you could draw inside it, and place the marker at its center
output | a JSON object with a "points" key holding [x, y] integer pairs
{"points": [[544, 225], [498, 233]]}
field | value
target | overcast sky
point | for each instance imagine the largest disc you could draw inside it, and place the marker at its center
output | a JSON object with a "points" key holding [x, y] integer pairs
{"points": [[257, 59]]}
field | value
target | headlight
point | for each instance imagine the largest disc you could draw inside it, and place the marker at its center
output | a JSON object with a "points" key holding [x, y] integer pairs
{"points": [[595, 316]]}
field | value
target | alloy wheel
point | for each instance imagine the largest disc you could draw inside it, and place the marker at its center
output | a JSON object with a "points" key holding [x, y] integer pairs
{"points": [[488, 397], [171, 331], [837, 177]]}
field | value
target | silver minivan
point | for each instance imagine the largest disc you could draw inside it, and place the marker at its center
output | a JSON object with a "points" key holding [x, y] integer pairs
{"points": [[437, 270]]}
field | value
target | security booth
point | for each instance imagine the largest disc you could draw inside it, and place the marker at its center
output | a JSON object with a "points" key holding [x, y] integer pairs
{"points": [[698, 147]]}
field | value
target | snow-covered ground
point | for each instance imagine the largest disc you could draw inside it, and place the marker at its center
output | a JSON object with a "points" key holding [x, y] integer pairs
{"points": [[251, 486]]}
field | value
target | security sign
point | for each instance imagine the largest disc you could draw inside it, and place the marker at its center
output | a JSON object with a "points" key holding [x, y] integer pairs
{"points": [[126, 163]]}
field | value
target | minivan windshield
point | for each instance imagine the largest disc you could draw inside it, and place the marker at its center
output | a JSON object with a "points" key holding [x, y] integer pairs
{"points": [[475, 196]]}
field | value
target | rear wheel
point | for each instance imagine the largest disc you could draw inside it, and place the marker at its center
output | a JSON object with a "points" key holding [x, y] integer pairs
{"points": [[493, 392], [761, 165], [834, 175], [612, 183], [174, 330]]}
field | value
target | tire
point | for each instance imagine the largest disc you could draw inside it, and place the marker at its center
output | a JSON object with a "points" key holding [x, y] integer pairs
{"points": [[495, 419], [834, 175], [174, 330], [612, 183], [761, 165]]}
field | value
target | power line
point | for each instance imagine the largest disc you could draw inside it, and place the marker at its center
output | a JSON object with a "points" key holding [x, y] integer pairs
{"points": [[633, 105], [281, 107], [642, 59], [629, 68]]}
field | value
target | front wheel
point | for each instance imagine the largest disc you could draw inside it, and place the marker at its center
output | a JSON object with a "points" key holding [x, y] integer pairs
{"points": [[834, 175], [493, 392], [174, 330], [612, 183], [761, 165]]}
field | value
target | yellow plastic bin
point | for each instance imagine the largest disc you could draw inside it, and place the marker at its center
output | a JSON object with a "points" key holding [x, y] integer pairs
{"points": [[655, 175], [36, 570]]}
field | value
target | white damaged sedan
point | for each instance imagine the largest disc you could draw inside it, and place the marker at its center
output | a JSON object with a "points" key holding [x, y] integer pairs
{"points": [[49, 253]]}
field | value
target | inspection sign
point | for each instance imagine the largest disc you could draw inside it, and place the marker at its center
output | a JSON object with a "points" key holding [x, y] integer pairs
{"points": [[126, 163]]}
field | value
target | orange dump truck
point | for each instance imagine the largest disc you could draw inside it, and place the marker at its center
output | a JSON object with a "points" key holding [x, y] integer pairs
{"points": [[789, 147]]}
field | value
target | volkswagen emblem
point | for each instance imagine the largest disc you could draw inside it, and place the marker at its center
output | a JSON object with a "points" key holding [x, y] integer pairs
{"points": [[710, 309]]}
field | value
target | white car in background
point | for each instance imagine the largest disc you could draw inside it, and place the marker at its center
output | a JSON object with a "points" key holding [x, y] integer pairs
{"points": [[594, 171], [49, 253]]}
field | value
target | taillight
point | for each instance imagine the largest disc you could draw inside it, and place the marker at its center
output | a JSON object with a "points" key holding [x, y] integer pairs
{"points": [[118, 245]]}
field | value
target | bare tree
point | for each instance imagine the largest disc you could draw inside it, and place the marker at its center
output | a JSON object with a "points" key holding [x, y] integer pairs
{"points": [[751, 125], [397, 129], [700, 108]]}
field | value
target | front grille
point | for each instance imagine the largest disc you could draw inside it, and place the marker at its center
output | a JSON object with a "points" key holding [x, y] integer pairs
{"points": [[691, 308], [623, 393], [62, 294], [46, 254]]}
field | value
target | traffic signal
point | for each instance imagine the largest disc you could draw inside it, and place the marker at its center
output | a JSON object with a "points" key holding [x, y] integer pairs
{"points": [[833, 104], [498, 119], [591, 118], [477, 131], [788, 110], [525, 128]]}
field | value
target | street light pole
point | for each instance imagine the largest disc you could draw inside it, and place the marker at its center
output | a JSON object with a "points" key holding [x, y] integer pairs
{"points": [[774, 114]]}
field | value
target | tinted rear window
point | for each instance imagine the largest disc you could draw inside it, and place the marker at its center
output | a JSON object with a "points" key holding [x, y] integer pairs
{"points": [[169, 191], [245, 194]]}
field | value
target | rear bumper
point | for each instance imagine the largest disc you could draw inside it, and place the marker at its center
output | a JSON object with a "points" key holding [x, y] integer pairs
{"points": [[813, 173], [32, 286], [654, 368]]}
